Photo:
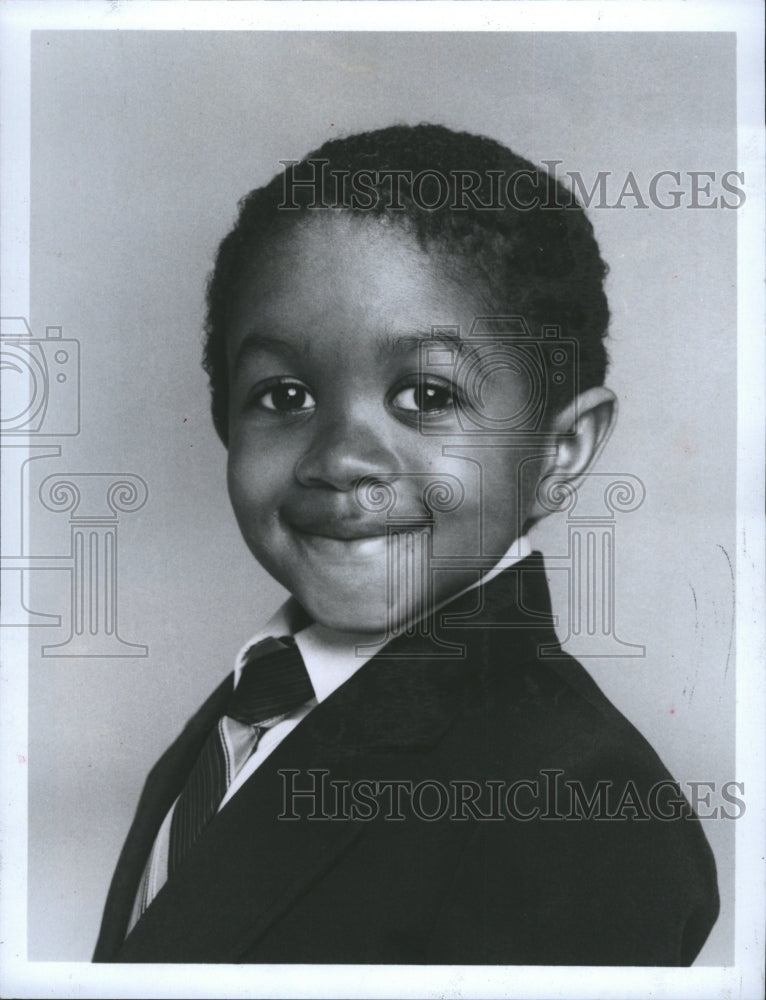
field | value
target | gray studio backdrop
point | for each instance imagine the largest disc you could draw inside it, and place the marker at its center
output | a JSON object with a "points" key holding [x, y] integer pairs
{"points": [[142, 143]]}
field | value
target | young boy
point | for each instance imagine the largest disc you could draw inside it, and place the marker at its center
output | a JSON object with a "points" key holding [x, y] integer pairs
{"points": [[405, 346]]}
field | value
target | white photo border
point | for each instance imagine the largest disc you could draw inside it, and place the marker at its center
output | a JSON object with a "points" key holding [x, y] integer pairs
{"points": [[20, 978]]}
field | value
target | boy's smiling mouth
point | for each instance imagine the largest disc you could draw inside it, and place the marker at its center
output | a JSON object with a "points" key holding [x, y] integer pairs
{"points": [[341, 537], [342, 540], [338, 537], [341, 531]]}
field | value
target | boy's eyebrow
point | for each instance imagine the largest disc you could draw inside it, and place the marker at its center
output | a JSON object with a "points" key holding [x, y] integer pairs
{"points": [[256, 342], [404, 344], [388, 343]]}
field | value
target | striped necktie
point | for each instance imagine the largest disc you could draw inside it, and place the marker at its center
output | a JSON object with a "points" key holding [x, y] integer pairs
{"points": [[273, 683]]}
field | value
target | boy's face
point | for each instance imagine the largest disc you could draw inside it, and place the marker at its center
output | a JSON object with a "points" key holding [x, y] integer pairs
{"points": [[339, 433]]}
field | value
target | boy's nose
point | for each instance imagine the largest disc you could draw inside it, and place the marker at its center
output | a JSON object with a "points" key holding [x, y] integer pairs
{"points": [[343, 452]]}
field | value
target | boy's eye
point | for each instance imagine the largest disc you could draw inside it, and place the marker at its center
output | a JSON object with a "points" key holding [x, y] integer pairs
{"points": [[425, 397], [285, 397]]}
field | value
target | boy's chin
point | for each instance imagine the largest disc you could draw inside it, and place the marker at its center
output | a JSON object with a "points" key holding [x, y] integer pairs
{"points": [[371, 622], [373, 608], [377, 618]]}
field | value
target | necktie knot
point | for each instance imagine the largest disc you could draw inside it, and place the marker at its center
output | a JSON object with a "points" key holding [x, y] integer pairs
{"points": [[274, 682]]}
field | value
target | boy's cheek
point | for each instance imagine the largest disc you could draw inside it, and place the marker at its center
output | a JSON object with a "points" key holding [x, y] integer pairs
{"points": [[248, 493], [255, 466], [235, 480]]}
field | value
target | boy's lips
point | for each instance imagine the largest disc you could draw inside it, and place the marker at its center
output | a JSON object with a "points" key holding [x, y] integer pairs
{"points": [[336, 543], [341, 530]]}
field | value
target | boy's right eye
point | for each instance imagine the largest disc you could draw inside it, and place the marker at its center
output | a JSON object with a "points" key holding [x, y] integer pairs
{"points": [[283, 396]]}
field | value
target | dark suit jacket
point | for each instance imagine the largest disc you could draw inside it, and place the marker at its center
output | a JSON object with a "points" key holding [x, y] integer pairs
{"points": [[628, 890]]}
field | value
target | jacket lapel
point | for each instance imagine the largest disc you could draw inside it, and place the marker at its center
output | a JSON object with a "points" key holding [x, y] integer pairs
{"points": [[163, 784], [250, 865]]}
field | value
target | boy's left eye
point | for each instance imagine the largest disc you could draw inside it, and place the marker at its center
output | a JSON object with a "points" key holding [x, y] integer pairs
{"points": [[424, 397]]}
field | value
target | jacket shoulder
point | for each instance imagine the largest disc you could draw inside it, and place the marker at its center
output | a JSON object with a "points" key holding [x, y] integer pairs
{"points": [[597, 849]]}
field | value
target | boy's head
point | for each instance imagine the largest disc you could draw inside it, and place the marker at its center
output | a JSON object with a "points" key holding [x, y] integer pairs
{"points": [[383, 447]]}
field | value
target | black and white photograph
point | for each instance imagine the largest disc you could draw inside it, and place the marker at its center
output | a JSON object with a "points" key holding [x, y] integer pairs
{"points": [[382, 525]]}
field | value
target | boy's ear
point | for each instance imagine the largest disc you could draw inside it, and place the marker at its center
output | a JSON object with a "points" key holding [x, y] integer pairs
{"points": [[578, 432]]}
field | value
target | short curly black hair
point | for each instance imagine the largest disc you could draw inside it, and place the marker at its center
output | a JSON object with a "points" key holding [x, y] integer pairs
{"points": [[521, 228]]}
